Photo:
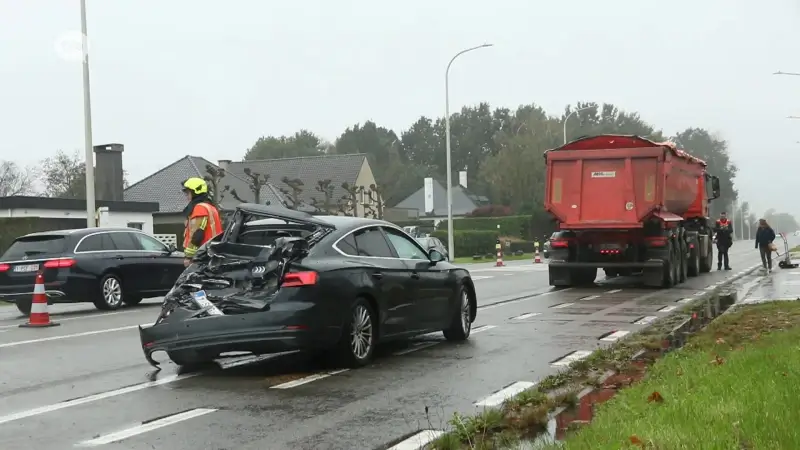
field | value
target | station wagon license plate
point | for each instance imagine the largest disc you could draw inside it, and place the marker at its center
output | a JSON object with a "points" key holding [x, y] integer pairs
{"points": [[202, 301], [26, 268]]}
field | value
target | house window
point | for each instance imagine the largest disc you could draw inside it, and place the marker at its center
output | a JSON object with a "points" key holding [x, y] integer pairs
{"points": [[135, 225]]}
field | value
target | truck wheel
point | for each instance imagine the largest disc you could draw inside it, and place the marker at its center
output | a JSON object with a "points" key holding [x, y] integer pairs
{"points": [[684, 265], [670, 269], [708, 261], [693, 264]]}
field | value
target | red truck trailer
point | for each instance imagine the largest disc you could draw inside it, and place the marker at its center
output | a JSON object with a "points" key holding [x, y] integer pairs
{"points": [[628, 205]]}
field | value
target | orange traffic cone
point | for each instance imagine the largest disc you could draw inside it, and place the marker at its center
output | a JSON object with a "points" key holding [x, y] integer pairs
{"points": [[536, 258], [39, 316], [499, 248]]}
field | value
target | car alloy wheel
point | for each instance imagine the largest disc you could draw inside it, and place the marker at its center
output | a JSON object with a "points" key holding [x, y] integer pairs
{"points": [[361, 335], [466, 323], [112, 292]]}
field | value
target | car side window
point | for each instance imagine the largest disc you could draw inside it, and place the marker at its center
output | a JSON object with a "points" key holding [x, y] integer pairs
{"points": [[370, 242], [96, 243], [125, 241], [150, 244], [348, 245], [405, 247]]}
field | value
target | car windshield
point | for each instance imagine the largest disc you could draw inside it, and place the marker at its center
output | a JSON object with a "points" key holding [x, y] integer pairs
{"points": [[32, 246], [424, 241]]}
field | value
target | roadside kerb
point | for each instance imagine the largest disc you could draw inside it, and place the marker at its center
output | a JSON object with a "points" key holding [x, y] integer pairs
{"points": [[629, 357]]}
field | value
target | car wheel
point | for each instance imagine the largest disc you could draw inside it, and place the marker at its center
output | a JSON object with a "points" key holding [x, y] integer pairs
{"points": [[461, 323], [357, 344], [24, 306], [130, 300], [110, 295]]}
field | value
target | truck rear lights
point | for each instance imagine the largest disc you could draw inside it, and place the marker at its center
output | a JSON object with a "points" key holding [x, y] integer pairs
{"points": [[59, 263], [610, 252], [4, 267], [297, 279], [657, 241]]}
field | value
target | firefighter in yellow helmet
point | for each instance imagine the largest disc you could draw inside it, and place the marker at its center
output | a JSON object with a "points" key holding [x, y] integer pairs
{"points": [[202, 217]]}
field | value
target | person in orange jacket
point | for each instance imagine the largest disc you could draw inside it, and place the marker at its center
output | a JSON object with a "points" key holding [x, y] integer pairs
{"points": [[202, 218]]}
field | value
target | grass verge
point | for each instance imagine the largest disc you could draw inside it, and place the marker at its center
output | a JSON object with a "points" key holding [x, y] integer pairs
{"points": [[733, 386], [795, 249], [526, 415]]}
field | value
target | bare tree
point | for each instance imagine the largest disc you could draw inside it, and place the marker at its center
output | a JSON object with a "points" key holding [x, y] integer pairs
{"points": [[374, 202], [213, 177], [349, 201], [14, 180], [327, 204], [294, 195]]}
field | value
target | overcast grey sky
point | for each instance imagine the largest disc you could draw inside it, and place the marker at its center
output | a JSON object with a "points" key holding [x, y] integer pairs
{"points": [[178, 77]]}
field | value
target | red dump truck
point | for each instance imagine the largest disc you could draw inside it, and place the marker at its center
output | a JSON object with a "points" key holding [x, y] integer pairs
{"points": [[628, 205]]}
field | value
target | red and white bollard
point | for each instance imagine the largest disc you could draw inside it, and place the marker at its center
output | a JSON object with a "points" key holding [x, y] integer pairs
{"points": [[499, 248], [536, 258]]}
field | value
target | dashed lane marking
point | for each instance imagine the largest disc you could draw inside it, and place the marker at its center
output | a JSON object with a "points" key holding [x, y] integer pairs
{"points": [[667, 309], [416, 346], [482, 277], [613, 291], [418, 441], [308, 379], [562, 305], [57, 318], [92, 398], [615, 336], [146, 427], [482, 328], [571, 358], [590, 297], [526, 316], [504, 394], [646, 320]]}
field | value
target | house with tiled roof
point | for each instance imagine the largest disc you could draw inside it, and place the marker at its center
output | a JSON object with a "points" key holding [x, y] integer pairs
{"points": [[464, 202], [293, 182]]}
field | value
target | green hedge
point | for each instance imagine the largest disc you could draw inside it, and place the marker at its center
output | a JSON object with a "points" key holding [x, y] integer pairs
{"points": [[470, 242], [528, 227]]}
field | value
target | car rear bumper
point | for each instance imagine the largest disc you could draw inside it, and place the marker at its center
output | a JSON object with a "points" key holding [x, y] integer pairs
{"points": [[603, 265], [261, 333], [56, 291]]}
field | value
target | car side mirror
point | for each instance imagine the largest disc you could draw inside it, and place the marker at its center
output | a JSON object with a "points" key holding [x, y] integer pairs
{"points": [[171, 248], [715, 189], [435, 256]]}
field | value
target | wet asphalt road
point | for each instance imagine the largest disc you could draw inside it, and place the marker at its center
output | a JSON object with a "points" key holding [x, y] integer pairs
{"points": [[85, 383]]}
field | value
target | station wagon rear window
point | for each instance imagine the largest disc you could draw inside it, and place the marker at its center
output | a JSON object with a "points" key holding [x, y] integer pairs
{"points": [[32, 246]]}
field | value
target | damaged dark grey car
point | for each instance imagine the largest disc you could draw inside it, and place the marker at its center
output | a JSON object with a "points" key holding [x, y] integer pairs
{"points": [[280, 280]]}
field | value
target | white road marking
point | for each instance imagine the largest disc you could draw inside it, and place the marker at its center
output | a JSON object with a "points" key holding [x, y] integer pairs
{"points": [[418, 441], [145, 427], [794, 273], [614, 291], [66, 336], [563, 305], [571, 358], [526, 316], [615, 336], [479, 277], [791, 283], [92, 398], [308, 379], [686, 300], [646, 320], [504, 394], [667, 309], [591, 297], [482, 328], [56, 317]]}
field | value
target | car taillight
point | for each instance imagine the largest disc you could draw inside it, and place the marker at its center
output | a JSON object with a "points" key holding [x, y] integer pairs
{"points": [[4, 267], [297, 279], [559, 243], [59, 263]]}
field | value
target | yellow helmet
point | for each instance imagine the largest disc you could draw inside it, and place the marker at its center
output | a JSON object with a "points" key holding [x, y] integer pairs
{"points": [[195, 185]]}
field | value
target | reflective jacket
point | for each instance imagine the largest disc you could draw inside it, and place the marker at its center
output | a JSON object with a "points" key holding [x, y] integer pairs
{"points": [[203, 224]]}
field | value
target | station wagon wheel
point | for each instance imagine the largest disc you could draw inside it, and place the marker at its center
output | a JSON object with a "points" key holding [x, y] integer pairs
{"points": [[110, 296], [461, 322]]}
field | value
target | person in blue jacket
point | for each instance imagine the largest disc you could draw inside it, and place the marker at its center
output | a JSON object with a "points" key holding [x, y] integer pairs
{"points": [[764, 237]]}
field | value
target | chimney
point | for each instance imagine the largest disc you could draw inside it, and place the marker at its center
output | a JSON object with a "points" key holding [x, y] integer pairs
{"points": [[223, 164], [462, 178], [108, 182]]}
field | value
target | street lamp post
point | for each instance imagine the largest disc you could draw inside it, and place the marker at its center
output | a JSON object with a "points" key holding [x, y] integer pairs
{"points": [[794, 74], [450, 244], [87, 122], [570, 115]]}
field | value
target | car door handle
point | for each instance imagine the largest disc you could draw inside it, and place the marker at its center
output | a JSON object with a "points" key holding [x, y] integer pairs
{"points": [[377, 275], [119, 257], [415, 275]]}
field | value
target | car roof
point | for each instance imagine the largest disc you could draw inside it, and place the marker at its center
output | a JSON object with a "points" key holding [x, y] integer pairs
{"points": [[79, 232], [340, 222]]}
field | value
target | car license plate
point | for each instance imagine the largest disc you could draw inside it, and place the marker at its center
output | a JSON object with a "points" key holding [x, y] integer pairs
{"points": [[202, 301], [26, 268]]}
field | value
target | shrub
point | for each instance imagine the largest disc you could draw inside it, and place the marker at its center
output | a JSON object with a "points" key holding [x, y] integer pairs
{"points": [[491, 211], [469, 242]]}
